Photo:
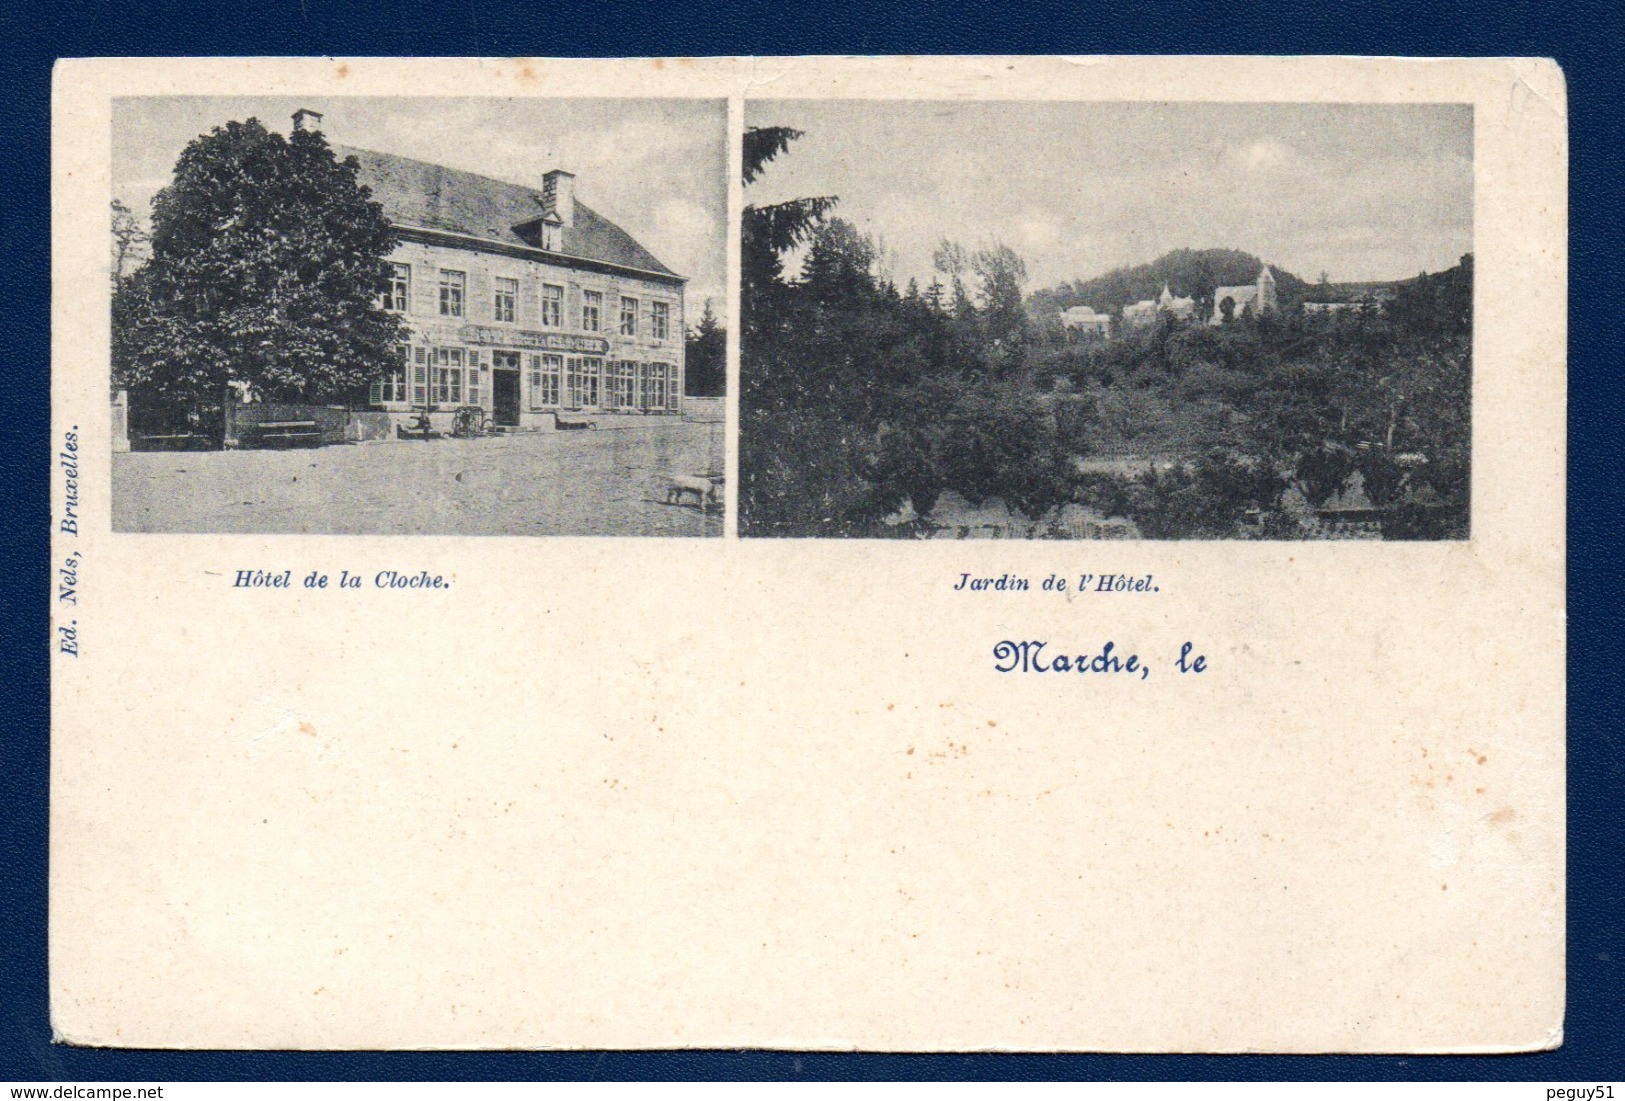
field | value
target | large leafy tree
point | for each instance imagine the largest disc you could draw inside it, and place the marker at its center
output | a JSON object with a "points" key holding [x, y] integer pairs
{"points": [[267, 260], [1004, 313]]}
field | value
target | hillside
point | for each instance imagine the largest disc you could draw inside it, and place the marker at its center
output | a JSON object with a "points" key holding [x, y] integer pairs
{"points": [[1193, 272]]}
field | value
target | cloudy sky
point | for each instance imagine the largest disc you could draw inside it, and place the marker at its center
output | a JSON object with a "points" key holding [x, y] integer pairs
{"points": [[655, 167], [1356, 191]]}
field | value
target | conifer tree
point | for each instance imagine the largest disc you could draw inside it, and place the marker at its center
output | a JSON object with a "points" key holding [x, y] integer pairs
{"points": [[706, 356]]}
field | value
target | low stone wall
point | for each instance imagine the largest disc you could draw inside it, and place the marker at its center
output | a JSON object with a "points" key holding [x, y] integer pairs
{"points": [[705, 409], [443, 421], [339, 426], [366, 426], [626, 420]]}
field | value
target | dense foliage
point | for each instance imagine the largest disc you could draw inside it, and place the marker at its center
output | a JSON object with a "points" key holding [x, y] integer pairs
{"points": [[706, 357], [862, 403], [267, 259]]}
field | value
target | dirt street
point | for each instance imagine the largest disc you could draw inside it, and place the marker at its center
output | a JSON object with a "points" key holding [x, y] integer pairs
{"points": [[607, 482]]}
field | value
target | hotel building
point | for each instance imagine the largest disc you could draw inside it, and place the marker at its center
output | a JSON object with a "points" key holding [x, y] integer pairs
{"points": [[526, 303]]}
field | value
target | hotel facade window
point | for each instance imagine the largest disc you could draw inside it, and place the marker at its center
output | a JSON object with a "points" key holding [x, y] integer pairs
{"points": [[654, 387], [448, 376], [391, 386], [572, 382], [592, 372], [420, 376], [669, 386], [520, 300], [552, 306], [621, 394], [452, 285], [546, 377], [507, 298], [582, 379], [399, 295]]}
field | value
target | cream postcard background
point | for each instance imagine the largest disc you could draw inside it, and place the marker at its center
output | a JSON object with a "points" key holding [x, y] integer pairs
{"points": [[665, 793]]}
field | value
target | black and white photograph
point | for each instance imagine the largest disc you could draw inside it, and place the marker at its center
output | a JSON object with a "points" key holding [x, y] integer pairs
{"points": [[1070, 320], [431, 316]]}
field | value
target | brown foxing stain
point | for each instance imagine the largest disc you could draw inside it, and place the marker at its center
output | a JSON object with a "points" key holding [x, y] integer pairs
{"points": [[990, 722], [527, 74], [1502, 816], [659, 64], [306, 728]]}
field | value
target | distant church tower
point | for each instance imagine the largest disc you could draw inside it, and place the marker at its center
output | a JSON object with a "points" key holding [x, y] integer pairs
{"points": [[1267, 302], [1248, 300]]}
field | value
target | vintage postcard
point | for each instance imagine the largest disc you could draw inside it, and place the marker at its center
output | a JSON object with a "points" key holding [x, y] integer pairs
{"points": [[1106, 590]]}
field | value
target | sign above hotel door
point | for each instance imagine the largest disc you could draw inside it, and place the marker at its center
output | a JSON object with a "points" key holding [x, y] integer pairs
{"points": [[528, 338]]}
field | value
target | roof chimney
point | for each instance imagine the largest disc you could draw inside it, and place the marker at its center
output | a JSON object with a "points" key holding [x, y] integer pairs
{"points": [[559, 196], [306, 119]]}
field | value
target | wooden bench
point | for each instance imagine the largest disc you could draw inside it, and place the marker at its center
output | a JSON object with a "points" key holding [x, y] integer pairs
{"points": [[287, 431]]}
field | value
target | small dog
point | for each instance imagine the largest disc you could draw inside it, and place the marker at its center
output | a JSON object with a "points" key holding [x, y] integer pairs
{"points": [[707, 491]]}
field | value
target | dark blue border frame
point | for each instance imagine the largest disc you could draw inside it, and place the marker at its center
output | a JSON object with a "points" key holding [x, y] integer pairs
{"points": [[1581, 34]]}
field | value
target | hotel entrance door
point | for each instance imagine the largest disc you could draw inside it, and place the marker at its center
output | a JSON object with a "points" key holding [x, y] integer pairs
{"points": [[505, 389]]}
